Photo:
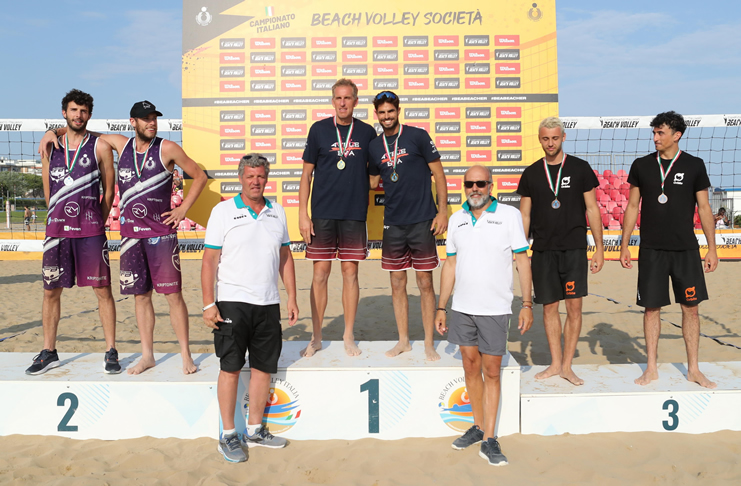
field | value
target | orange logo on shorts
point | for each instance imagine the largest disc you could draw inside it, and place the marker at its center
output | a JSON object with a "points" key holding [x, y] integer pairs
{"points": [[570, 288], [689, 293]]}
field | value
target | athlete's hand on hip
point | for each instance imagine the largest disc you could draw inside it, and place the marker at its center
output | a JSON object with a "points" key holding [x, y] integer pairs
{"points": [[292, 312], [306, 227], [625, 258], [441, 221], [440, 318], [47, 139], [598, 259], [525, 320], [174, 216], [711, 261], [211, 316]]}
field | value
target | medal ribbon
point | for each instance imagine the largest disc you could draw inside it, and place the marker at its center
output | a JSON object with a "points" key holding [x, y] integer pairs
{"points": [[669, 169], [77, 153], [138, 168], [555, 188], [396, 148], [343, 148]]}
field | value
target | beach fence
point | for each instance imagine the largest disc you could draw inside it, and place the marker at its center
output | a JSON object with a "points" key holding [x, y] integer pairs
{"points": [[609, 144]]}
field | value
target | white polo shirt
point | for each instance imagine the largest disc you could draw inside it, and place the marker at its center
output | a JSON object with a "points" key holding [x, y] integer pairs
{"points": [[483, 250], [250, 250]]}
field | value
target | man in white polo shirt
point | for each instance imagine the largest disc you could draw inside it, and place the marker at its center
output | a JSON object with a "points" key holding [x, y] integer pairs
{"points": [[482, 237], [246, 247]]}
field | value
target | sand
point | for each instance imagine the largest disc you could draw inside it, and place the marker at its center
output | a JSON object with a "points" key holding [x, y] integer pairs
{"points": [[612, 333]]}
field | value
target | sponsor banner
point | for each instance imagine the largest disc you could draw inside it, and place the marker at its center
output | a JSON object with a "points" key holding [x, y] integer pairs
{"points": [[452, 68], [100, 125]]}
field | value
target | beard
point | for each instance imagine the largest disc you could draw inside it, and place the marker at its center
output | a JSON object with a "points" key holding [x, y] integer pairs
{"points": [[142, 135], [477, 200], [74, 129]]}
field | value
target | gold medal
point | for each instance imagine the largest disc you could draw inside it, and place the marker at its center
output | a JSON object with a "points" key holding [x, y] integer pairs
{"points": [[341, 164]]}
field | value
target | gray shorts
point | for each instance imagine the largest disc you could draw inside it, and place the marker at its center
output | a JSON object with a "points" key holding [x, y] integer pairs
{"points": [[489, 333]]}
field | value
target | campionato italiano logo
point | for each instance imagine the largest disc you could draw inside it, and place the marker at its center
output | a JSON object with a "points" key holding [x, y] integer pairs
{"points": [[455, 406], [282, 409]]}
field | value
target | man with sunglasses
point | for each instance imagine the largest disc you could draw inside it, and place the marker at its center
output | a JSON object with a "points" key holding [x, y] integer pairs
{"points": [[556, 192], [404, 157], [336, 158], [482, 236]]}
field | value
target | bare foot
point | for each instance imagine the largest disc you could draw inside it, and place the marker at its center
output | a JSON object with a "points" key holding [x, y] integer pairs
{"points": [[189, 366], [431, 354], [351, 348], [143, 365], [401, 347], [700, 379], [647, 377], [571, 377], [312, 348], [548, 372]]}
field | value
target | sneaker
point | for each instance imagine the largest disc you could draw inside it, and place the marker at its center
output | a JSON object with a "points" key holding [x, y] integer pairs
{"points": [[474, 435], [111, 365], [492, 452], [263, 438], [231, 448], [43, 362]]}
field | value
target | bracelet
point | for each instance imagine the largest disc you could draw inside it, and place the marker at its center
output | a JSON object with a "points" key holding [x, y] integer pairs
{"points": [[527, 307], [442, 309], [208, 306], [54, 130]]}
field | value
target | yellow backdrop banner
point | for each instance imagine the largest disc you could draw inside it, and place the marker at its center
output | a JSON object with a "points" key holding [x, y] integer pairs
{"points": [[477, 75]]}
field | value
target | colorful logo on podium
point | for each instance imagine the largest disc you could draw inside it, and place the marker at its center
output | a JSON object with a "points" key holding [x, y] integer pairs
{"points": [[282, 409], [455, 407]]}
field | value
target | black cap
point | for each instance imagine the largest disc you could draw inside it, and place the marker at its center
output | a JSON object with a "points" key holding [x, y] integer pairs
{"points": [[142, 109]]}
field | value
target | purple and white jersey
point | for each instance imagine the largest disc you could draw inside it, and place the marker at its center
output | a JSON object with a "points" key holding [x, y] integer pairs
{"points": [[74, 196], [144, 195]]}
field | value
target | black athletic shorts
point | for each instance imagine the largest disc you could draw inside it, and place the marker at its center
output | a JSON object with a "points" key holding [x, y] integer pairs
{"points": [[409, 246], [248, 327], [559, 275], [338, 239], [684, 267]]}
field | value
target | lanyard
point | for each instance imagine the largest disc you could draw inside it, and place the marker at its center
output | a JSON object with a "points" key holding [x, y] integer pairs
{"points": [[343, 148], [555, 188], [71, 166], [669, 169], [139, 168], [396, 148]]}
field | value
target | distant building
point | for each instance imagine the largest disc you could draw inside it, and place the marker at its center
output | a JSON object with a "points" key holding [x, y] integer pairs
{"points": [[26, 166]]}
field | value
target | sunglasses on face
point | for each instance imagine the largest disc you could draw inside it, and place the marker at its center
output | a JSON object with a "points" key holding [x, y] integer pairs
{"points": [[388, 95], [479, 184]]}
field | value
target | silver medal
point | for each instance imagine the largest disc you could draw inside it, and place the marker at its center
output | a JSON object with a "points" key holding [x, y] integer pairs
{"points": [[68, 181], [663, 199]]}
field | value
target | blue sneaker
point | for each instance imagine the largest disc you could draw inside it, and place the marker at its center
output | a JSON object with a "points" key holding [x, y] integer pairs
{"points": [[492, 452], [43, 362], [474, 435], [231, 448], [110, 364], [263, 438]]}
